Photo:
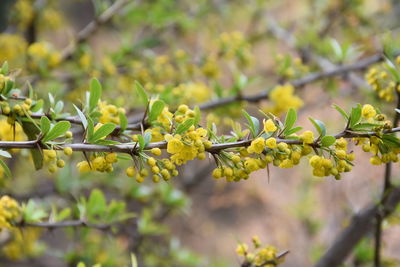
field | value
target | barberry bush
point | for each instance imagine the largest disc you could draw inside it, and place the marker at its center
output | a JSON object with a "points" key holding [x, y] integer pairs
{"points": [[113, 114]]}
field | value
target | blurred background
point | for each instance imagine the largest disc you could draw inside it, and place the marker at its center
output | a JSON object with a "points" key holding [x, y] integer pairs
{"points": [[192, 52]]}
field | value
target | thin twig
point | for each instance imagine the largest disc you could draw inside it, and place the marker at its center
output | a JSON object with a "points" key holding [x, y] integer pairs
{"points": [[92, 27], [62, 224]]}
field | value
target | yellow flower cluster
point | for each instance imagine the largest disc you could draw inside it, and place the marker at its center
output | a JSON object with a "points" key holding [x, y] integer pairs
{"points": [[191, 93], [282, 99], [382, 83], [307, 137], [188, 146], [23, 13], [266, 151], [368, 111], [11, 132], [51, 158], [24, 244], [43, 56], [372, 145], [12, 48], [102, 162], [109, 113], [340, 161], [260, 256], [233, 45], [9, 212], [161, 169]]}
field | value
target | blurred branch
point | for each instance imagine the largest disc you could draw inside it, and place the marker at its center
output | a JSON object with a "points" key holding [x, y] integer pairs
{"points": [[312, 77], [92, 27], [62, 224], [323, 63], [361, 224]]}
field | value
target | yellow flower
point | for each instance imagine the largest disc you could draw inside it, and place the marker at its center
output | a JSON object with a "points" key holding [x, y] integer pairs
{"points": [[271, 143], [174, 146], [307, 137], [375, 160], [241, 249], [269, 126], [368, 111], [257, 146]]}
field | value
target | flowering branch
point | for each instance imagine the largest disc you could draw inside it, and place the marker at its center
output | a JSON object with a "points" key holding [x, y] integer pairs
{"points": [[215, 148]]}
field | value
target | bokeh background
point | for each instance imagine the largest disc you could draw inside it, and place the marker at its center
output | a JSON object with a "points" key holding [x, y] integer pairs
{"points": [[289, 208]]}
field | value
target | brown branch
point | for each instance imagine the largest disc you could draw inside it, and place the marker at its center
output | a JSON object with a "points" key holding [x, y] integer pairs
{"points": [[215, 148], [361, 224], [312, 77], [387, 185]]}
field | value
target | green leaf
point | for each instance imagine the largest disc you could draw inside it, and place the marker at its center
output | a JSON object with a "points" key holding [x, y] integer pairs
{"points": [[141, 142], [184, 126], [254, 124], [4, 68], [155, 110], [327, 140], [32, 212], [290, 119], [197, 115], [65, 213], [103, 131], [391, 140], [45, 124], [319, 125], [90, 129], [59, 129], [58, 107], [123, 121], [355, 115], [95, 94], [106, 142], [147, 138], [97, 203], [392, 69], [365, 125], [142, 93], [6, 170], [37, 106], [81, 116], [341, 111], [5, 154], [293, 130]]}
